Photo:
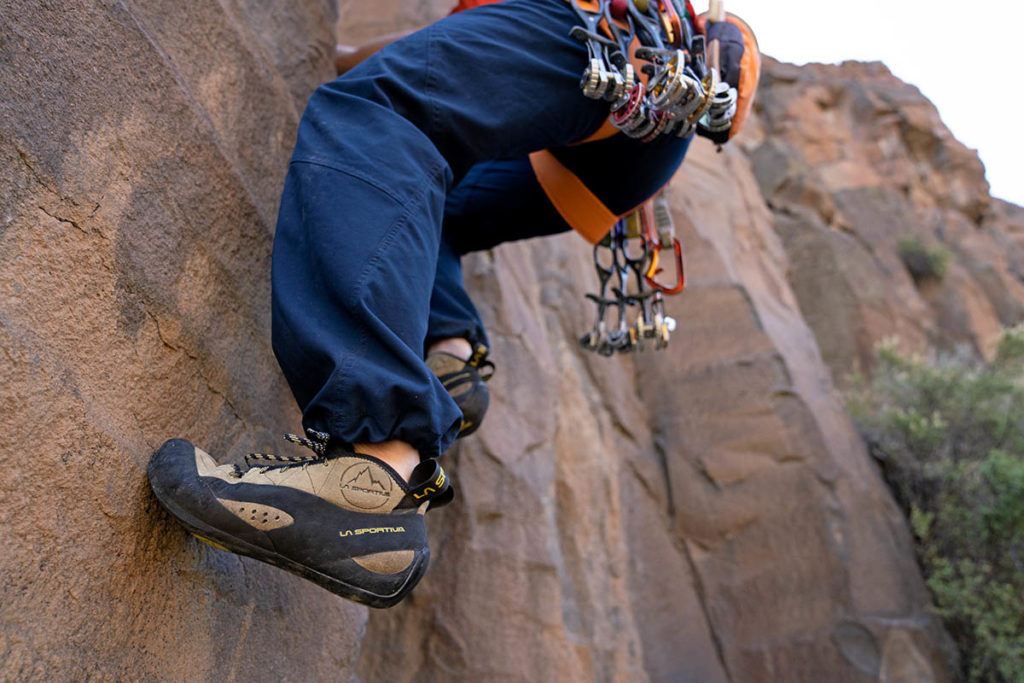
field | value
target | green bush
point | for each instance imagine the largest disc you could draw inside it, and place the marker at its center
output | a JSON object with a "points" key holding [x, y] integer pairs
{"points": [[923, 263], [950, 437]]}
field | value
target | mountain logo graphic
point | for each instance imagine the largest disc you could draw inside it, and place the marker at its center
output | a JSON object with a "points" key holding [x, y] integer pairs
{"points": [[366, 486]]}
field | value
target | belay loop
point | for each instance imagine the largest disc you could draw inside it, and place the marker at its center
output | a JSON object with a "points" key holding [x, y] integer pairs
{"points": [[680, 88], [630, 302]]}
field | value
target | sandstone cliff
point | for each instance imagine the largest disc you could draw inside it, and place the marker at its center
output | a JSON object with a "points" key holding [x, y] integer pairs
{"points": [[702, 514], [852, 161]]}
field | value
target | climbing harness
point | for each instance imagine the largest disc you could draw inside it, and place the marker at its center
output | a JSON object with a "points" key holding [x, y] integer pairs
{"points": [[631, 294], [680, 87]]}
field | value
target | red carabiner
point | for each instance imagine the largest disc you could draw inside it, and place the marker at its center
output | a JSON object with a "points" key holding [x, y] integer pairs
{"points": [[655, 246], [680, 272]]}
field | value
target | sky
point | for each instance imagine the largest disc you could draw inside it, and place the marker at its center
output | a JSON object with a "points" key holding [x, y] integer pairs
{"points": [[966, 58]]}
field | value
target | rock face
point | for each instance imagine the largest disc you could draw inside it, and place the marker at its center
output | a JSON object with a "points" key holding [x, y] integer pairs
{"points": [[143, 147], [706, 513], [852, 161]]}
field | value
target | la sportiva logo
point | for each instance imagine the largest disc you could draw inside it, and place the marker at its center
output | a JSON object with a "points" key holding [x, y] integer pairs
{"points": [[372, 530], [366, 486]]}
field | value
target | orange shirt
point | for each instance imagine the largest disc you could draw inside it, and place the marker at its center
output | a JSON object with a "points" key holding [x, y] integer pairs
{"points": [[470, 4]]}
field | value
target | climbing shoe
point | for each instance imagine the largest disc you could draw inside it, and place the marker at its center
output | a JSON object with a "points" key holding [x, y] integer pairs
{"points": [[464, 381], [343, 520]]}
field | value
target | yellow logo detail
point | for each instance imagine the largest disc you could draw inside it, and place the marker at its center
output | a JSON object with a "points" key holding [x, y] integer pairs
{"points": [[478, 355], [372, 530], [439, 482]]}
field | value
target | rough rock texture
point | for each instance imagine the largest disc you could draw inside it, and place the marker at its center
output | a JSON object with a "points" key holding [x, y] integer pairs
{"points": [[143, 147], [852, 160], [702, 514]]}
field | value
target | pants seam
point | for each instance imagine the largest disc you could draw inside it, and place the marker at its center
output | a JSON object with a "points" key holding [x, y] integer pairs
{"points": [[354, 173]]}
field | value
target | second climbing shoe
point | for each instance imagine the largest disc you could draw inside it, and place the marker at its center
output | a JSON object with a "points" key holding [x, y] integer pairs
{"points": [[343, 520], [465, 382]]}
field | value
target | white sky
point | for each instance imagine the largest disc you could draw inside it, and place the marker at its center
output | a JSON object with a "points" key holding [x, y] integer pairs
{"points": [[966, 58]]}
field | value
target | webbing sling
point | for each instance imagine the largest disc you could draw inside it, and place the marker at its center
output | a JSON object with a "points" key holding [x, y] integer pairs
{"points": [[575, 203]]}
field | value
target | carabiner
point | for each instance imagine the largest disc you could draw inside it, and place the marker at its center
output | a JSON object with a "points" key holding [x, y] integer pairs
{"points": [[670, 20], [654, 270], [655, 239]]}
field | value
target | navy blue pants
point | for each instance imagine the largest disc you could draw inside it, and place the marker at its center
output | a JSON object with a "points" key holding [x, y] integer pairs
{"points": [[411, 159]]}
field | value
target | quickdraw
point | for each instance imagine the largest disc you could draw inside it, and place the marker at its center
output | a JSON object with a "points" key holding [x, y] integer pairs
{"points": [[680, 86], [629, 255]]}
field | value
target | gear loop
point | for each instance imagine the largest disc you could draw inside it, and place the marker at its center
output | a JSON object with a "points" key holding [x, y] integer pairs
{"points": [[680, 89]]}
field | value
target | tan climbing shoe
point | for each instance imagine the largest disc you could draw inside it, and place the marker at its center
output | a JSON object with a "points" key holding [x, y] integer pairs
{"points": [[343, 520]]}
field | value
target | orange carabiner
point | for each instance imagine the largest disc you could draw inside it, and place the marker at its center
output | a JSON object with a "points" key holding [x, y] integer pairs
{"points": [[670, 20]]}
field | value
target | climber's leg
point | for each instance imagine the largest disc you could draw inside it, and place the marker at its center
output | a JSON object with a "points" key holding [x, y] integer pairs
{"points": [[497, 201], [457, 346], [359, 230]]}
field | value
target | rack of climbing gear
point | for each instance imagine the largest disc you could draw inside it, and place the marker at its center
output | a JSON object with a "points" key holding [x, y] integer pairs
{"points": [[631, 298], [680, 88]]}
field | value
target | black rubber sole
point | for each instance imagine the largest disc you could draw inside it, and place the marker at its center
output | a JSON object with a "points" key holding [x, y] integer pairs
{"points": [[473, 405], [223, 540]]}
